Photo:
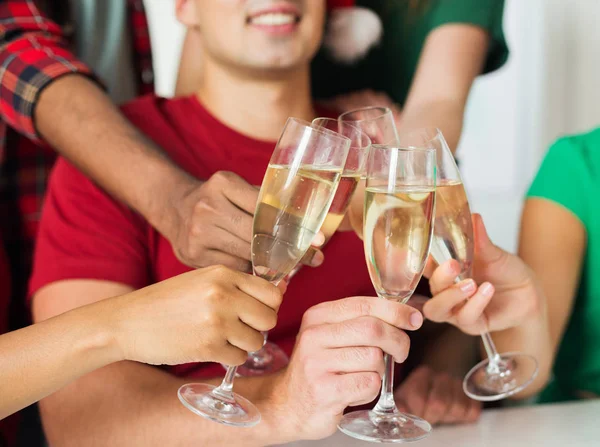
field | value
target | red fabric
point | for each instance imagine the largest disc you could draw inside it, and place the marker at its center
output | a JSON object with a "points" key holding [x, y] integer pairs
{"points": [[34, 52], [86, 234], [335, 4]]}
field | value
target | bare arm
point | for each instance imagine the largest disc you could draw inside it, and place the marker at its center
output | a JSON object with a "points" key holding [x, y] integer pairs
{"points": [[197, 316], [552, 243], [33, 359], [133, 404], [453, 56], [76, 117]]}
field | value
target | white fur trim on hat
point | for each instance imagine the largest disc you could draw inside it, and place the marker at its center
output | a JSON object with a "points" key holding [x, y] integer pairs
{"points": [[351, 33]]}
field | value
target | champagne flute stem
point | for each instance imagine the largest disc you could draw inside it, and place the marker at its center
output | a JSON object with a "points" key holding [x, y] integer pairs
{"points": [[492, 353], [386, 404], [225, 389], [488, 344]]}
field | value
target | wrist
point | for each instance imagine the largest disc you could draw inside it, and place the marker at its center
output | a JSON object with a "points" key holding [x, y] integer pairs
{"points": [[99, 340], [166, 210], [279, 423]]}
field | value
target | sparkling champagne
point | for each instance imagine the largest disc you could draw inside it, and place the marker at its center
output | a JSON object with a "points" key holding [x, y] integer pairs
{"points": [[340, 203], [453, 229], [397, 232], [293, 204]]}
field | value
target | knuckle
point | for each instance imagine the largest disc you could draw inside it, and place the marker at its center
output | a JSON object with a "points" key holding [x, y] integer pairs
{"points": [[403, 343], [373, 328]]}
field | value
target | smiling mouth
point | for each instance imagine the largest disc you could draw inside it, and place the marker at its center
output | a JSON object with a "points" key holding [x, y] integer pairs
{"points": [[274, 19], [283, 15]]}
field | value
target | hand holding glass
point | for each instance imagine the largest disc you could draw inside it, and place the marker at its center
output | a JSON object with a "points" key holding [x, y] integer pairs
{"points": [[297, 191], [398, 210], [500, 375]]}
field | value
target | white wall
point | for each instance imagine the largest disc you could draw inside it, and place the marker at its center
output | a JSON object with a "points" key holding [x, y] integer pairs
{"points": [[549, 87]]}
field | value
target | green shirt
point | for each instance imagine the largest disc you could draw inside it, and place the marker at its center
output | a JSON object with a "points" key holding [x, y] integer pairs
{"points": [[570, 177], [390, 67]]}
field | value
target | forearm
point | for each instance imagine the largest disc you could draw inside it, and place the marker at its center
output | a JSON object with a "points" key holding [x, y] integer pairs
{"points": [[445, 114], [136, 404], [75, 116], [531, 337], [33, 359]]}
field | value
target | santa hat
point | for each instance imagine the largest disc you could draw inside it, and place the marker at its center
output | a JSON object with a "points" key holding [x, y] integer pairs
{"points": [[352, 31]]}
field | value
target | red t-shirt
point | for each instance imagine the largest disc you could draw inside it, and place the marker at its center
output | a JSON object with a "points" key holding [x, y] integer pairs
{"points": [[85, 234]]}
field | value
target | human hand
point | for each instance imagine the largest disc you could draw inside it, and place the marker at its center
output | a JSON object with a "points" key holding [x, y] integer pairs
{"points": [[362, 98], [211, 314], [215, 225], [506, 296], [436, 397], [338, 362]]}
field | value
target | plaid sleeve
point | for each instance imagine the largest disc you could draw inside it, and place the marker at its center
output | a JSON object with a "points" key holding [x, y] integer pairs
{"points": [[33, 53]]}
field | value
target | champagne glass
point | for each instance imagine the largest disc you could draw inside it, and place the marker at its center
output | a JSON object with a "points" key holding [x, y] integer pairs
{"points": [[295, 196], [379, 125], [500, 375], [399, 208], [354, 172], [270, 358]]}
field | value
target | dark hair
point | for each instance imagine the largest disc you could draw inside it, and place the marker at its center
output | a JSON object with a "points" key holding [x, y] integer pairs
{"points": [[58, 11]]}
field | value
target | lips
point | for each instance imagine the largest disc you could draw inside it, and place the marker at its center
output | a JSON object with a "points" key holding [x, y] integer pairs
{"points": [[276, 19]]}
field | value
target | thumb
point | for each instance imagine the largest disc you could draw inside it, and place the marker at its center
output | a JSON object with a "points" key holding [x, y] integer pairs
{"points": [[485, 250]]}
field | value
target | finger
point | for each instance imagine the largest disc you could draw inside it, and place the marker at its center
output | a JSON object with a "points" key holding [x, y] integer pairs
{"points": [[444, 276], [318, 240], [415, 390], [473, 310], [430, 267], [229, 355], [459, 409], [391, 312], [354, 388], [313, 257], [259, 289], [363, 331], [354, 359], [255, 314], [439, 399], [474, 411], [240, 193], [441, 307], [244, 337], [216, 257], [225, 241], [236, 222]]}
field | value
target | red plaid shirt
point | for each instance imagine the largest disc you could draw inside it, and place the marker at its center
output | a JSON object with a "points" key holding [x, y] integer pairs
{"points": [[34, 51]]}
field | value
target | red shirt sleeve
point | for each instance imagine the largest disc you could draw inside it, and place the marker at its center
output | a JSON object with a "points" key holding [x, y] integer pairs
{"points": [[86, 234], [33, 53]]}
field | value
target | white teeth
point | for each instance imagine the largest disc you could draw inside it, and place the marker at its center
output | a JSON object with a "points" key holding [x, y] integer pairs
{"points": [[273, 19]]}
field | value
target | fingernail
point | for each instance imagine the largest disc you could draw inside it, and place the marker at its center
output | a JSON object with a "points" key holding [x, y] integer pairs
{"points": [[416, 319], [319, 239], [317, 259], [468, 286], [487, 289]]}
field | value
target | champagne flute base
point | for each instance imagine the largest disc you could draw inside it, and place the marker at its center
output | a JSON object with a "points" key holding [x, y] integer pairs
{"points": [[488, 382], [229, 409], [269, 359], [370, 426]]}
